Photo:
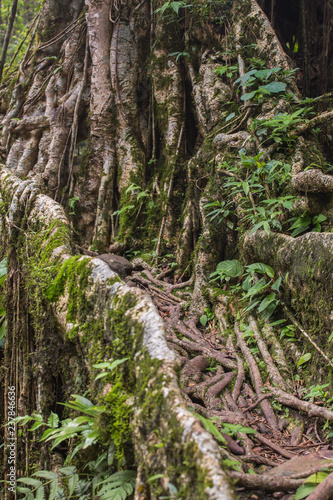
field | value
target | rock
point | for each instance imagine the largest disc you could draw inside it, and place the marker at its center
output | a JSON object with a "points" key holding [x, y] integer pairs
{"points": [[299, 464], [119, 264]]}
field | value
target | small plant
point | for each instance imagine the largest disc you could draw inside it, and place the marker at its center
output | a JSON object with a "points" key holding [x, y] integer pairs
{"points": [[172, 7], [304, 359], [260, 293], [222, 209], [138, 193], [289, 332], [254, 77], [304, 222], [71, 204], [179, 54], [278, 127], [208, 316], [317, 392]]}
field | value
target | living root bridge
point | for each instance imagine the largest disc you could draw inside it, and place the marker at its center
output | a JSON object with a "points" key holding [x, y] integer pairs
{"points": [[124, 315]]}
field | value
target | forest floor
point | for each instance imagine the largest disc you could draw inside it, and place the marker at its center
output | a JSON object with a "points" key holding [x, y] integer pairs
{"points": [[272, 437]]}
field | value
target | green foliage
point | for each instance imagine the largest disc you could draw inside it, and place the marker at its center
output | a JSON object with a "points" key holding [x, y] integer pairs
{"points": [[71, 204], [279, 127], [318, 393], [309, 485], [304, 222], [289, 332], [260, 79], [259, 188], [26, 12], [171, 5], [210, 427], [208, 316], [222, 209], [260, 293], [109, 366], [304, 359], [135, 193], [73, 482]]}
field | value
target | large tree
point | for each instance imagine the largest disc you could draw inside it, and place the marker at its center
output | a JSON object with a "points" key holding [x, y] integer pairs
{"points": [[195, 139]]}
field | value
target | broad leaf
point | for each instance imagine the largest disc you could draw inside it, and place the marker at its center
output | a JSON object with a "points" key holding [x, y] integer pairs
{"points": [[304, 359], [275, 87]]}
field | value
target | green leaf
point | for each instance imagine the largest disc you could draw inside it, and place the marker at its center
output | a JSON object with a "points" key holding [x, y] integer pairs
{"points": [[40, 494], [53, 420], [30, 481], [45, 474], [267, 313], [246, 188], [101, 375], [266, 227], [247, 97], [252, 305], [259, 267], [230, 117], [318, 219], [210, 427], [72, 482], [47, 433], [156, 476], [304, 359], [330, 337], [67, 471], [258, 287], [232, 268], [275, 87], [142, 194], [2, 330], [277, 284], [203, 320], [316, 478], [3, 268], [53, 490], [302, 221], [36, 426], [246, 77], [266, 302], [304, 491], [112, 365], [21, 489]]}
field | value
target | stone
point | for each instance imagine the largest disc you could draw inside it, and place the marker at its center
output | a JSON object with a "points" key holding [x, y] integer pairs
{"points": [[119, 264]]}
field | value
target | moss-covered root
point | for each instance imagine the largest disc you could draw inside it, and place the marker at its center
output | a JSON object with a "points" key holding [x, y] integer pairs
{"points": [[105, 319], [306, 265]]}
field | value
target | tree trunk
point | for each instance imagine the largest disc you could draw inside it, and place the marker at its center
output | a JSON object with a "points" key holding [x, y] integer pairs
{"points": [[128, 131]]}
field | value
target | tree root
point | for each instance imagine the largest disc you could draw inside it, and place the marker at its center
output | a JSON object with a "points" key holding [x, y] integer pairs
{"points": [[265, 482], [274, 373], [311, 409], [256, 379]]}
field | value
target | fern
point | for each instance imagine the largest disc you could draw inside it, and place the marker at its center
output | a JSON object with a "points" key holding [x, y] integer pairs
{"points": [[117, 486], [96, 478]]}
